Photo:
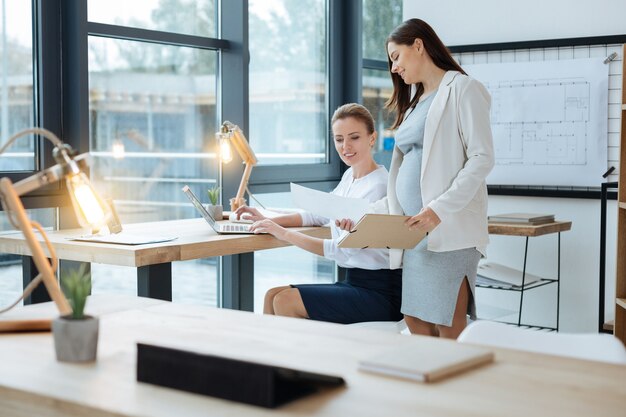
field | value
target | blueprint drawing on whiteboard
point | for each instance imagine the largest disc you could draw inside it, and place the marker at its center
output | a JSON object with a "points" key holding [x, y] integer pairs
{"points": [[549, 121]]}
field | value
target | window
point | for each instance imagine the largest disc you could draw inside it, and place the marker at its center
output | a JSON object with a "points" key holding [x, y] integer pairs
{"points": [[158, 104], [192, 17], [379, 19], [16, 85], [288, 116], [153, 109]]}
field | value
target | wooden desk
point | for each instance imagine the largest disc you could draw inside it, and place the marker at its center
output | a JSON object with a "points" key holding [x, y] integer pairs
{"points": [[33, 383], [516, 229], [153, 261]]}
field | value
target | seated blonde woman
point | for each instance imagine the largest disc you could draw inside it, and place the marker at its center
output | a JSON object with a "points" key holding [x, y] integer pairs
{"points": [[371, 291]]}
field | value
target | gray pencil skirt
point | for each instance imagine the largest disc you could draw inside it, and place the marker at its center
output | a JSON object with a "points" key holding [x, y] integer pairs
{"points": [[431, 282]]}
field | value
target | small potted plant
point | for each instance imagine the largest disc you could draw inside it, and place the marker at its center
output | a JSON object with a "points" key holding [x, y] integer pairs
{"points": [[76, 335], [216, 210]]}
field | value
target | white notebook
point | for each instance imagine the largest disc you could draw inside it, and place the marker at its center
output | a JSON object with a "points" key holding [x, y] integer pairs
{"points": [[427, 362]]}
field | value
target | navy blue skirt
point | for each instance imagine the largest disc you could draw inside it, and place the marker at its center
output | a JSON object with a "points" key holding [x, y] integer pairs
{"points": [[365, 295]]}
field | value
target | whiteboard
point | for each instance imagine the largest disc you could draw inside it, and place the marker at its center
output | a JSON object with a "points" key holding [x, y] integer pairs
{"points": [[463, 22], [549, 121]]}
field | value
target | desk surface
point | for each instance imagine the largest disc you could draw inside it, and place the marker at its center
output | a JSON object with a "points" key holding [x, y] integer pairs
{"points": [[195, 240], [521, 384], [516, 229]]}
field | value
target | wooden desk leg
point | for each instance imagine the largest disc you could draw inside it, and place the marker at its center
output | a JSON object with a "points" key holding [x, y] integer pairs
{"points": [[155, 281], [237, 289], [29, 272]]}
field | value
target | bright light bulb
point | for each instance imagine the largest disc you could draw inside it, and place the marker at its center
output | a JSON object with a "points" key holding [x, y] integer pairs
{"points": [[118, 149], [90, 210], [226, 154]]}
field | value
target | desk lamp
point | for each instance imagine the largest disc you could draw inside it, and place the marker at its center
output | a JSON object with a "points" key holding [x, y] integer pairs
{"points": [[231, 133], [90, 209]]}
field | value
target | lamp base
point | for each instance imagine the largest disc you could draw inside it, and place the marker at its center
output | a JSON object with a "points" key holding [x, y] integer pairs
{"points": [[235, 203], [35, 325]]}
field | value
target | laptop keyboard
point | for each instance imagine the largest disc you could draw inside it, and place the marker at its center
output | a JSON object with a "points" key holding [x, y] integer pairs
{"points": [[236, 227]]}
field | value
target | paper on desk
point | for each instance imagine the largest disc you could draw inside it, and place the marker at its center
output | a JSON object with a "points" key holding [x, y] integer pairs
{"points": [[124, 239], [328, 205]]}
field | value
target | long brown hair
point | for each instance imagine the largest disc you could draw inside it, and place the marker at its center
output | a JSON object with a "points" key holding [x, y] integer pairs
{"points": [[405, 34]]}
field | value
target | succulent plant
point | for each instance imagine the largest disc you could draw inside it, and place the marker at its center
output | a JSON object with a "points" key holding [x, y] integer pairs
{"points": [[214, 194], [77, 286]]}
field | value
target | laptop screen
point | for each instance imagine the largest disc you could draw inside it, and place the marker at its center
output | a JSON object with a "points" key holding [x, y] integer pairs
{"points": [[192, 197]]}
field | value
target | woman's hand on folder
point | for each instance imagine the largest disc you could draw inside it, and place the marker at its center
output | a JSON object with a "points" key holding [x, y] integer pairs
{"points": [[425, 221], [345, 224], [250, 214]]}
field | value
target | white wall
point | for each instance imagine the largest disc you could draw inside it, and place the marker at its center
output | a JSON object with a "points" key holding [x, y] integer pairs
{"points": [[463, 22], [460, 22]]}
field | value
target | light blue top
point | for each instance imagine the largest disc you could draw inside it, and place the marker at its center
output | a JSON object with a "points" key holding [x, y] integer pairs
{"points": [[410, 141]]}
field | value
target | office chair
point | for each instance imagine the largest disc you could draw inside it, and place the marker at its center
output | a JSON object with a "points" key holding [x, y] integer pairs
{"points": [[590, 346]]}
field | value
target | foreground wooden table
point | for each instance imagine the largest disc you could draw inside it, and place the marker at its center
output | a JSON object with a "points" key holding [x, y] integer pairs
{"points": [[195, 240], [33, 383]]}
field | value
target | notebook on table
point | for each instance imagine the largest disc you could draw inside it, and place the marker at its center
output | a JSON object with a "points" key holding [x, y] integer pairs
{"points": [[222, 227], [533, 219], [427, 362]]}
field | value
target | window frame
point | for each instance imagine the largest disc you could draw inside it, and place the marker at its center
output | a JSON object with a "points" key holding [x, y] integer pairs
{"points": [[343, 69]]}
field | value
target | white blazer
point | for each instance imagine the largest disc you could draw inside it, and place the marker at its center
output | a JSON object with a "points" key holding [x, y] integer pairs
{"points": [[457, 157]]}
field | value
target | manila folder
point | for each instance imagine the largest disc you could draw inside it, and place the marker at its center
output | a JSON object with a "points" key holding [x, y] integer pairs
{"points": [[381, 231]]}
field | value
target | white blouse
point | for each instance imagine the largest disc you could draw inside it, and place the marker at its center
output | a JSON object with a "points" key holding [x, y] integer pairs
{"points": [[371, 187]]}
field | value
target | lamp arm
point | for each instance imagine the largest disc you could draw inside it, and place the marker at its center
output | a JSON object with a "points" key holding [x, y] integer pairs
{"points": [[35, 131], [12, 204], [49, 176]]}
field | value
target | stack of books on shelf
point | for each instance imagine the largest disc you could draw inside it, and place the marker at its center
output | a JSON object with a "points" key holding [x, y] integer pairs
{"points": [[531, 219]]}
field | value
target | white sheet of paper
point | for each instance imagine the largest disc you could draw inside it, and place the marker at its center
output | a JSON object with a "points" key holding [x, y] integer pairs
{"points": [[328, 205]]}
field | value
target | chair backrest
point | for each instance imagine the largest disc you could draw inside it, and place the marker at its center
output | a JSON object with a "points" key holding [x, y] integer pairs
{"points": [[590, 346]]}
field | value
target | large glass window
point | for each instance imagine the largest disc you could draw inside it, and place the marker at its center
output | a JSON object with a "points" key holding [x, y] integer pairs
{"points": [[153, 118], [191, 17], [380, 17], [377, 89], [152, 126], [16, 85], [288, 117]]}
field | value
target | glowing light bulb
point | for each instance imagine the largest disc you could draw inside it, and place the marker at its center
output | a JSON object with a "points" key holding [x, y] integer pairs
{"points": [[226, 153], [89, 208]]}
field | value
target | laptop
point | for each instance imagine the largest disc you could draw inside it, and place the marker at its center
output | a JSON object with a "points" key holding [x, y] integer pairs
{"points": [[222, 227]]}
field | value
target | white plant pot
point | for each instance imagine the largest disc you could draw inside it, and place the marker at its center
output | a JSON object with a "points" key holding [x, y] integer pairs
{"points": [[75, 340], [217, 212]]}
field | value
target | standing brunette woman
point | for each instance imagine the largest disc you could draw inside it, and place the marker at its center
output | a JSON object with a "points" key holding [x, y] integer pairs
{"points": [[443, 153]]}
